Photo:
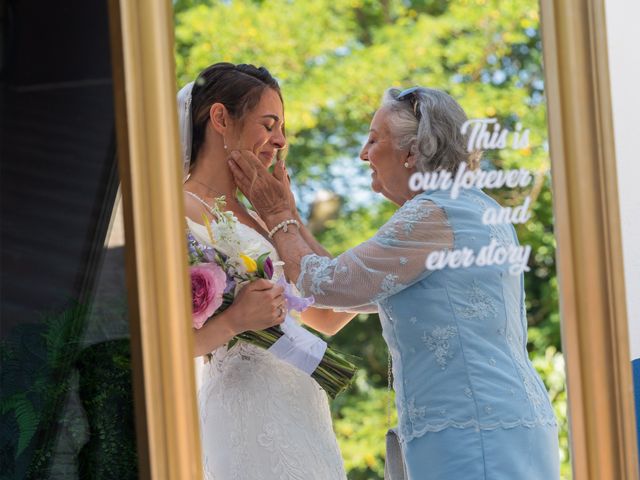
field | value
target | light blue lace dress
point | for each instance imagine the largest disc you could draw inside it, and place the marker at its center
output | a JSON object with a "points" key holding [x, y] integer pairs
{"points": [[470, 404]]}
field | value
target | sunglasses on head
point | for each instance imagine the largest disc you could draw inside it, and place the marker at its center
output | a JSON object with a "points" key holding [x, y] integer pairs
{"points": [[411, 95]]}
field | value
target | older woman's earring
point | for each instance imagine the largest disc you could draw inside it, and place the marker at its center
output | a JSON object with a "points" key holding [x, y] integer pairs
{"points": [[406, 164]]}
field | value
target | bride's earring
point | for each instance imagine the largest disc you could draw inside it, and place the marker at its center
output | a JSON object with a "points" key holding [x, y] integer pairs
{"points": [[224, 142], [406, 164]]}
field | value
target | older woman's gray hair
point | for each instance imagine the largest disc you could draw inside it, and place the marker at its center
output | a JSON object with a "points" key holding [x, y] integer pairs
{"points": [[427, 122]]}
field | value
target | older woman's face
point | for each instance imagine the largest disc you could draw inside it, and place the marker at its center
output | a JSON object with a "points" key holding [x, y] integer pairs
{"points": [[388, 175]]}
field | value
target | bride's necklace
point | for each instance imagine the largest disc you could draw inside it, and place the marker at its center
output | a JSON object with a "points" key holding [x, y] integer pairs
{"points": [[228, 198], [217, 192]]}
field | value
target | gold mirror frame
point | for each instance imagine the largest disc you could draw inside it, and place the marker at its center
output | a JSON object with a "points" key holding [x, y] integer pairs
{"points": [[168, 440], [587, 227]]}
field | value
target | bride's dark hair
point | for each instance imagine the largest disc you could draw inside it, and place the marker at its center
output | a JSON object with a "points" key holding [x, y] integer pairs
{"points": [[238, 87]]}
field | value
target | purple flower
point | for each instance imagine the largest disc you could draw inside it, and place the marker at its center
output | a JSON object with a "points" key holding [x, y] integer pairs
{"points": [[209, 253], [191, 244], [268, 268], [231, 284], [199, 250], [208, 282], [294, 301]]}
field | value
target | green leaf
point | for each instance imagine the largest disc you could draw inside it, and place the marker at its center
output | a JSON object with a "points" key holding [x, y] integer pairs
{"points": [[260, 263], [26, 417]]}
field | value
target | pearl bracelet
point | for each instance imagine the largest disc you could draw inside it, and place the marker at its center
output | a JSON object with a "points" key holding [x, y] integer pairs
{"points": [[284, 226]]}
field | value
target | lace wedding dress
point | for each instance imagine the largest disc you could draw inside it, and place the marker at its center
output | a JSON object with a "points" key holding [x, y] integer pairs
{"points": [[261, 418]]}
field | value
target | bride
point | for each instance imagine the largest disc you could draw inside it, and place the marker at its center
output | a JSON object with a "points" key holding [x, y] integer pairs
{"points": [[260, 417]]}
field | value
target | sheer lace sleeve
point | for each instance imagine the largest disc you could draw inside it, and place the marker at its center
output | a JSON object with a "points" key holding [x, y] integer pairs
{"points": [[383, 265]]}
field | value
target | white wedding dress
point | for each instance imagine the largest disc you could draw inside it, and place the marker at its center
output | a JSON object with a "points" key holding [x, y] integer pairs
{"points": [[261, 418]]}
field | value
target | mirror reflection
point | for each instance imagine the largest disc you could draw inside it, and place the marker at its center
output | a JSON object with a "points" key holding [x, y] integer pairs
{"points": [[323, 188]]}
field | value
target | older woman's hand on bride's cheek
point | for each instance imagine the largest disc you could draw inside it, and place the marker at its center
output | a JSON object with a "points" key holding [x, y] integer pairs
{"points": [[281, 174], [268, 194]]}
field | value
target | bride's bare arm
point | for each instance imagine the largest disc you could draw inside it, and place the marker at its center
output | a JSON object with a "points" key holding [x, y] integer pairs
{"points": [[326, 321], [214, 333]]}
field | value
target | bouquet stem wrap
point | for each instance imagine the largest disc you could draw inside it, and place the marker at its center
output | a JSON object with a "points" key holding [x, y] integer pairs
{"points": [[297, 346], [333, 373]]}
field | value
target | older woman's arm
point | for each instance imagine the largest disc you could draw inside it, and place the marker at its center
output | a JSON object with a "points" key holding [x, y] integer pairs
{"points": [[291, 246], [377, 268], [390, 261], [325, 320]]}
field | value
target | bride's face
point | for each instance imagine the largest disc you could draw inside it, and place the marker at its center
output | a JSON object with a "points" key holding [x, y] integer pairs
{"points": [[388, 176], [261, 130]]}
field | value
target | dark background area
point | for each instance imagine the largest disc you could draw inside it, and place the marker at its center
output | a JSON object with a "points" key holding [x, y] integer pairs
{"points": [[65, 403], [57, 153]]}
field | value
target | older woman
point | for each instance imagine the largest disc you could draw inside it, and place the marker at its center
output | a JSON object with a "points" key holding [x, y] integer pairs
{"points": [[470, 403]]}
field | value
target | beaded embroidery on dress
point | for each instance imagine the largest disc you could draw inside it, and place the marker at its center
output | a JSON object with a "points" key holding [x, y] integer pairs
{"points": [[261, 418]]}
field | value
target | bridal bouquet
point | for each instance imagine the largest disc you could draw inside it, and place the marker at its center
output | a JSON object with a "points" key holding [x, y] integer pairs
{"points": [[221, 262]]}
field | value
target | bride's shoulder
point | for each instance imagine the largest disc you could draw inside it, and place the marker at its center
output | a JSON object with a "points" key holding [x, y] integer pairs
{"points": [[193, 209]]}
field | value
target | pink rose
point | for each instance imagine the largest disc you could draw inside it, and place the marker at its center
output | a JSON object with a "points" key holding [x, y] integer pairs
{"points": [[208, 282]]}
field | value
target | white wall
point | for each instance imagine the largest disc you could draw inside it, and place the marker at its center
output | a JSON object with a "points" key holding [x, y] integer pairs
{"points": [[623, 37]]}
